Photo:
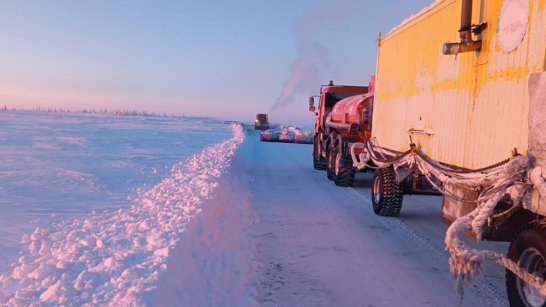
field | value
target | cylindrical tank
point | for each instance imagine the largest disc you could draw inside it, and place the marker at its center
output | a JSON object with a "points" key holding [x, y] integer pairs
{"points": [[351, 110]]}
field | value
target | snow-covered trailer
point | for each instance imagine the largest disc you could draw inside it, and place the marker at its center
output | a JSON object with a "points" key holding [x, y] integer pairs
{"points": [[460, 98]]}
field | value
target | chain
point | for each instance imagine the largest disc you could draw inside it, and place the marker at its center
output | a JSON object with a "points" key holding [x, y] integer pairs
{"points": [[465, 262]]}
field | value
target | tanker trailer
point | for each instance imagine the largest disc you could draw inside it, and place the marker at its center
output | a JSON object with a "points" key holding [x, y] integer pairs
{"points": [[460, 99], [330, 95], [348, 123]]}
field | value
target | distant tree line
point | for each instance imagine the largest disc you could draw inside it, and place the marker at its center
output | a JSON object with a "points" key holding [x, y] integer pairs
{"points": [[95, 111]]}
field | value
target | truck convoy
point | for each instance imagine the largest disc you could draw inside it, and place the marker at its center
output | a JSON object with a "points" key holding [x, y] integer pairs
{"points": [[466, 111]]}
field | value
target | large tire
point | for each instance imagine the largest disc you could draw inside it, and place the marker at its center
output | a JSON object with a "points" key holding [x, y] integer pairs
{"points": [[528, 250], [387, 196], [344, 176], [318, 160], [330, 163], [317, 165]]}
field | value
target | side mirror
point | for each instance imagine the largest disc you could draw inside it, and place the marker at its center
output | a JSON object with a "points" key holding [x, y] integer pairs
{"points": [[311, 104]]}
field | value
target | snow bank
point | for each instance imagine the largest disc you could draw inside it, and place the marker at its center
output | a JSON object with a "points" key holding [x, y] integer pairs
{"points": [[114, 258], [214, 262], [56, 167]]}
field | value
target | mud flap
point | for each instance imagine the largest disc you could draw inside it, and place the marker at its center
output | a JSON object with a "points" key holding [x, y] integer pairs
{"points": [[537, 137]]}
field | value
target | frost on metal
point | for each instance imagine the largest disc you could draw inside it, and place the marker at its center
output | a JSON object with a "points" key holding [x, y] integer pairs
{"points": [[537, 139], [513, 21], [537, 114], [465, 262]]}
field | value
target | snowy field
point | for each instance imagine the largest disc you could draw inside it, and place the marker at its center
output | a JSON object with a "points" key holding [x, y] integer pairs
{"points": [[86, 198]]}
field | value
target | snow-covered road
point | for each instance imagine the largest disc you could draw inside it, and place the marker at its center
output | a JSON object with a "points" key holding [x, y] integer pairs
{"points": [[321, 245]]}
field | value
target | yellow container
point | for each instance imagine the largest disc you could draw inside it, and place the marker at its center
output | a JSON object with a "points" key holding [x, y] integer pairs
{"points": [[470, 109]]}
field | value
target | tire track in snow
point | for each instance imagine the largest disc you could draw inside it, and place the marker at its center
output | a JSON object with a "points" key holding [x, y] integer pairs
{"points": [[113, 258], [485, 292]]}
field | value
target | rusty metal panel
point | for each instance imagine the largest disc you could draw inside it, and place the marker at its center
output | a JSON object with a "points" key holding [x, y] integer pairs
{"points": [[469, 110]]}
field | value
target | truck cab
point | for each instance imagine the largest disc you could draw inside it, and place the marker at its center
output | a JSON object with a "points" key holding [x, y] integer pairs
{"points": [[261, 122]]}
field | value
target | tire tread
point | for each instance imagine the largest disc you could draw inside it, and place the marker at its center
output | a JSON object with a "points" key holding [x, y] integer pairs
{"points": [[510, 278], [390, 203]]}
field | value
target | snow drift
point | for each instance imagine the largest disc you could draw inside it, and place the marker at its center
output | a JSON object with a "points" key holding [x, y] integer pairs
{"points": [[214, 262], [116, 257]]}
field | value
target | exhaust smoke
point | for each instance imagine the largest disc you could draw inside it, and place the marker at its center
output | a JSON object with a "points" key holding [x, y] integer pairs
{"points": [[308, 70]]}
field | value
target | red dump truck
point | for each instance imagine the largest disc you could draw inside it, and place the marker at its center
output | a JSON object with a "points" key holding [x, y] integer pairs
{"points": [[343, 117]]}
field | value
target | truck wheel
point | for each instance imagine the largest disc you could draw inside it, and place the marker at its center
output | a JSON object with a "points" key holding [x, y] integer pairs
{"points": [[318, 160], [317, 165], [528, 250], [344, 176], [387, 195], [330, 164]]}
